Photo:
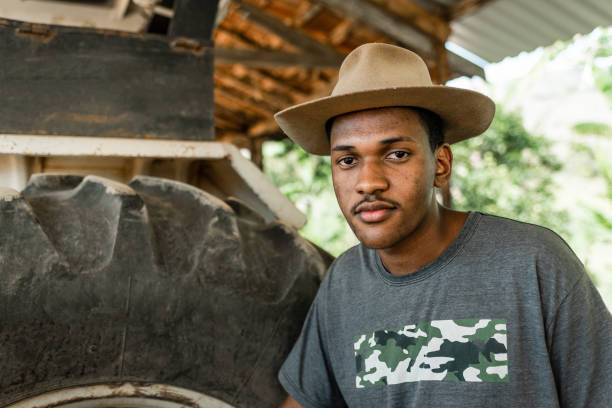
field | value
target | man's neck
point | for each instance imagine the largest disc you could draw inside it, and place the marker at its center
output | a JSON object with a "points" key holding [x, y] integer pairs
{"points": [[436, 232]]}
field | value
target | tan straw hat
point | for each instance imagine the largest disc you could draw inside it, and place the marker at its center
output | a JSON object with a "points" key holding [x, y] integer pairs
{"points": [[378, 75]]}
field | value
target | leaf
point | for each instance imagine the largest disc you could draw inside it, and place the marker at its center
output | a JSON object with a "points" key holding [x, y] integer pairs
{"points": [[593, 128]]}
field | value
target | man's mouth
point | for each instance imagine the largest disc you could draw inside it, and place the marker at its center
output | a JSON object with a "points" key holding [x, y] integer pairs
{"points": [[371, 212]]}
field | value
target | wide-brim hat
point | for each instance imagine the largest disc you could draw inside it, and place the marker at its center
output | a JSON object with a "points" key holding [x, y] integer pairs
{"points": [[378, 75]]}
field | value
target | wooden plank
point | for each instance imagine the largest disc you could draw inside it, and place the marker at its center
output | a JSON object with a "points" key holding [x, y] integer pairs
{"points": [[265, 80], [87, 82], [291, 35], [257, 152], [341, 32], [441, 68], [232, 48], [240, 140], [383, 21], [306, 12], [465, 7], [419, 17], [226, 125], [193, 19], [274, 59], [228, 98], [277, 101], [264, 129], [396, 28]]}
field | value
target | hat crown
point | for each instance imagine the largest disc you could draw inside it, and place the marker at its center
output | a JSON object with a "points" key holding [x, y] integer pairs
{"points": [[380, 66]]}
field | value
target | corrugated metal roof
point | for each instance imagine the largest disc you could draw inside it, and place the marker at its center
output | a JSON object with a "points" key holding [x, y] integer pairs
{"points": [[507, 27]]}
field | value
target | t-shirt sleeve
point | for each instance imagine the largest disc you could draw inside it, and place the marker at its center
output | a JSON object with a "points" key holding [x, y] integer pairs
{"points": [[581, 348], [306, 373]]}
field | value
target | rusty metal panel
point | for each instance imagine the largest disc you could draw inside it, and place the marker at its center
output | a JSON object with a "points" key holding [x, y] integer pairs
{"points": [[90, 82]]}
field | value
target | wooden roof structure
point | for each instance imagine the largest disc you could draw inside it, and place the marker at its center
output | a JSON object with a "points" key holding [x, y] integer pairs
{"points": [[270, 54]]}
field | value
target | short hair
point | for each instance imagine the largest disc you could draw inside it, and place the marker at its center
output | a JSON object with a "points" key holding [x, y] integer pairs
{"points": [[431, 121], [433, 124]]}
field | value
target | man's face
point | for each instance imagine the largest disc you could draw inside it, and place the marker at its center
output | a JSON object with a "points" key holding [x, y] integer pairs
{"points": [[383, 173]]}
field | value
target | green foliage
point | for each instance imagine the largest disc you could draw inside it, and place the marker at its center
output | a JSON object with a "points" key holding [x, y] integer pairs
{"points": [[603, 221], [292, 169], [606, 171], [306, 180], [604, 43], [602, 74], [508, 172], [603, 80], [593, 128]]}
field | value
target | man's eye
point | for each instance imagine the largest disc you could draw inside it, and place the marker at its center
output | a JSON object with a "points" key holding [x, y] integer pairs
{"points": [[400, 154], [346, 161]]}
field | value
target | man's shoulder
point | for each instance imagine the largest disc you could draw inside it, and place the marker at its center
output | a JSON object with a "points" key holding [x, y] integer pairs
{"points": [[522, 240], [523, 233]]}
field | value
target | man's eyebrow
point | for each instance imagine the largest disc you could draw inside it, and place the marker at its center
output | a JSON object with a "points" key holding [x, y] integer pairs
{"points": [[342, 147], [383, 142], [397, 139]]}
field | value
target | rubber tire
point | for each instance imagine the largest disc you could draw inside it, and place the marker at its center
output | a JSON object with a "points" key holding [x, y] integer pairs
{"points": [[158, 281]]}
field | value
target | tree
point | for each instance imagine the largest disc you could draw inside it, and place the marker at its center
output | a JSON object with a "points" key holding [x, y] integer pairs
{"points": [[508, 172]]}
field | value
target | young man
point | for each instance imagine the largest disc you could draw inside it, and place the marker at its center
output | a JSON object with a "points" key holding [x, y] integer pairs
{"points": [[436, 307]]}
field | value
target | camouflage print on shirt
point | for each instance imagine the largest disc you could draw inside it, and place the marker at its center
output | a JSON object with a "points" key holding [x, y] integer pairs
{"points": [[441, 350]]}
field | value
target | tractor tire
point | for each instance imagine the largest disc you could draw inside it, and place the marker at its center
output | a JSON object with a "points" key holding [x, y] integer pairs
{"points": [[152, 294]]}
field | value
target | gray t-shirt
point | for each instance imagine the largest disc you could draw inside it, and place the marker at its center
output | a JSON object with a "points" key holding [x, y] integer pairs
{"points": [[505, 317]]}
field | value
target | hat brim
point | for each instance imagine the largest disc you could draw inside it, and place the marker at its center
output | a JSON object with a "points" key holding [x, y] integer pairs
{"points": [[465, 113]]}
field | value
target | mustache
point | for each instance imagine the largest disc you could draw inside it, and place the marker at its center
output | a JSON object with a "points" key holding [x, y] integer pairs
{"points": [[370, 198]]}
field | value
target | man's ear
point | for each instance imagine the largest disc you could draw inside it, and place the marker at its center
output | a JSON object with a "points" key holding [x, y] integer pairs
{"points": [[444, 165]]}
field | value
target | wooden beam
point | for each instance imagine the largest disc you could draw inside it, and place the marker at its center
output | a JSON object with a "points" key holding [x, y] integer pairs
{"points": [[306, 12], [383, 21], [227, 124], [264, 79], [274, 59], [234, 48], [251, 93], [263, 129], [341, 32], [222, 9], [291, 35], [226, 97], [464, 7], [257, 152], [396, 28], [193, 19], [239, 140], [420, 18], [441, 69]]}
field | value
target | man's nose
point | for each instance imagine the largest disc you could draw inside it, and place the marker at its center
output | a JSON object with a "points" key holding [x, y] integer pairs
{"points": [[371, 179]]}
